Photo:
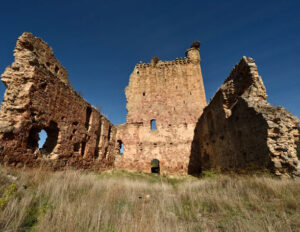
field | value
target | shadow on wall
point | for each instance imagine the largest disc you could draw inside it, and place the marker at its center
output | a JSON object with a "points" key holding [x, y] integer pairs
{"points": [[237, 143], [195, 167]]}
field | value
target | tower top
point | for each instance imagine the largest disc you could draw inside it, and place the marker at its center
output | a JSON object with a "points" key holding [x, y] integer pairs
{"points": [[193, 53]]}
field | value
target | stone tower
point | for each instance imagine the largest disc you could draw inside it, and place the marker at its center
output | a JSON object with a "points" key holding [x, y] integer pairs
{"points": [[164, 101]]}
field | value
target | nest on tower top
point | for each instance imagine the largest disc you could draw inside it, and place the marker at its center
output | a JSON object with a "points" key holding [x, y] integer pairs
{"points": [[196, 44]]}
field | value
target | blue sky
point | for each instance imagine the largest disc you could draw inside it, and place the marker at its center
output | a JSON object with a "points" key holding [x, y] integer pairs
{"points": [[99, 42]]}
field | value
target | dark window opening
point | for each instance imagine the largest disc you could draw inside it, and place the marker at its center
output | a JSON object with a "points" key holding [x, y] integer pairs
{"points": [[190, 93], [44, 139], [144, 94], [83, 148], [8, 136], [121, 147], [109, 132], [33, 138], [56, 69], [137, 72], [75, 123], [88, 117], [153, 124], [98, 133], [155, 167], [76, 147], [43, 86]]}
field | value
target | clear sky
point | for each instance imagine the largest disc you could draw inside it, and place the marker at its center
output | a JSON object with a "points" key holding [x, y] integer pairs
{"points": [[99, 42]]}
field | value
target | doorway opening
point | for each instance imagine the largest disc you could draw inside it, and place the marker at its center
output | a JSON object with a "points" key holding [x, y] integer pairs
{"points": [[155, 167]]}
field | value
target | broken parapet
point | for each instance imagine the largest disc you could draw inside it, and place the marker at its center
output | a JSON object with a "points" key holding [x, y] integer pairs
{"points": [[39, 96], [240, 130], [192, 56]]}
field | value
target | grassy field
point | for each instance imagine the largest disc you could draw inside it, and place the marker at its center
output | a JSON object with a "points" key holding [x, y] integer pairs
{"points": [[36, 200]]}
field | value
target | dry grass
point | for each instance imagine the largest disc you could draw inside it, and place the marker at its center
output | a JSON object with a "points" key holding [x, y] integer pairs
{"points": [[122, 201]]}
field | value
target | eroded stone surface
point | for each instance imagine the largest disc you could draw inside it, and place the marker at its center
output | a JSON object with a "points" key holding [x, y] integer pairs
{"points": [[38, 96], [240, 130], [171, 93]]}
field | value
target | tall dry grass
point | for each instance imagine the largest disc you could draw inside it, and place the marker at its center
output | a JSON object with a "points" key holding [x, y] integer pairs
{"points": [[37, 200]]}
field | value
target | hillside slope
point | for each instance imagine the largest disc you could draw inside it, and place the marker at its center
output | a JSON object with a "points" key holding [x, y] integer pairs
{"points": [[36, 200]]}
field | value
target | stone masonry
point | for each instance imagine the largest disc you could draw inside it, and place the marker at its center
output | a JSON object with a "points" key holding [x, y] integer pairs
{"points": [[39, 96], [171, 93], [240, 130], [168, 119]]}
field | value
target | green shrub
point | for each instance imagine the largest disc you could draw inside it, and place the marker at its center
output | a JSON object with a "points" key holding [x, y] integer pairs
{"points": [[8, 194]]}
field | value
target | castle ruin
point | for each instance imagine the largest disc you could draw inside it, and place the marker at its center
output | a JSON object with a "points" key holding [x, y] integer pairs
{"points": [[168, 119]]}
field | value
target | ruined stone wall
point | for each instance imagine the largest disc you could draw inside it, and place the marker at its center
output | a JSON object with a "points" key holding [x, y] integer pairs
{"points": [[38, 96], [240, 130], [172, 94]]}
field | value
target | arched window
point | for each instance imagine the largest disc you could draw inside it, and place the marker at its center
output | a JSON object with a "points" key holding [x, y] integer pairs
{"points": [[44, 139]]}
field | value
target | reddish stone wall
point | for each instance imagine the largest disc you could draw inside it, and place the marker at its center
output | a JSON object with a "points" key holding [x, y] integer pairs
{"points": [[171, 93], [38, 96], [240, 130]]}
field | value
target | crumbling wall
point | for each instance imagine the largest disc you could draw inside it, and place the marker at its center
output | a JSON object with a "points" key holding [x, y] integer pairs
{"points": [[39, 96], [171, 93], [240, 130]]}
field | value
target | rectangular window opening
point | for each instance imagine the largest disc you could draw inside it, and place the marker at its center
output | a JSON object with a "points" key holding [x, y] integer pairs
{"points": [[153, 124]]}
